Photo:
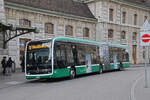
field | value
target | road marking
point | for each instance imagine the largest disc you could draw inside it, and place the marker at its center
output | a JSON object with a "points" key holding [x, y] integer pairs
{"points": [[132, 95], [13, 83]]}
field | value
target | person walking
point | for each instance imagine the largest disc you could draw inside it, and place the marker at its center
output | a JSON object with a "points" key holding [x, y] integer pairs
{"points": [[9, 65], [4, 65]]}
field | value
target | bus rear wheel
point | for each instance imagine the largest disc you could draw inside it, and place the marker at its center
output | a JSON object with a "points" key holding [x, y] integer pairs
{"points": [[72, 73]]}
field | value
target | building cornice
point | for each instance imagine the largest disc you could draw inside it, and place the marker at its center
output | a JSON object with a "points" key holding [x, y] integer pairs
{"points": [[125, 25], [133, 4], [47, 12]]}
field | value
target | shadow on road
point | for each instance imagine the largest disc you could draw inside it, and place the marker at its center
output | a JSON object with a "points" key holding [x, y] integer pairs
{"points": [[36, 81]]}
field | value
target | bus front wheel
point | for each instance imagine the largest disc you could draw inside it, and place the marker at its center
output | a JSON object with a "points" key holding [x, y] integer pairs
{"points": [[72, 73]]}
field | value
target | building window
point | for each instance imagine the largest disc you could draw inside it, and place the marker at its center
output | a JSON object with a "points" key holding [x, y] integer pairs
{"points": [[145, 18], [49, 28], [123, 17], [22, 45], [111, 14], [110, 33], [123, 35], [135, 19], [25, 22], [85, 32], [69, 30], [134, 36], [134, 52]]}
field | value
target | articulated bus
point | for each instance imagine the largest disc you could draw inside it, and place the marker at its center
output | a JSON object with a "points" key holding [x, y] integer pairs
{"points": [[68, 57]]}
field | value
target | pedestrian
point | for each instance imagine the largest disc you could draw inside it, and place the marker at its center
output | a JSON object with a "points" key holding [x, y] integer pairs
{"points": [[9, 65], [4, 65], [22, 65]]}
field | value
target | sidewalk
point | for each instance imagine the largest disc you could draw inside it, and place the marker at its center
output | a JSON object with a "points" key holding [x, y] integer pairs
{"points": [[139, 65], [15, 78]]}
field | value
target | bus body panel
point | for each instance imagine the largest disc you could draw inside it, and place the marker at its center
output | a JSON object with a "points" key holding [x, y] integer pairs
{"points": [[80, 70], [58, 73], [126, 64], [83, 69]]}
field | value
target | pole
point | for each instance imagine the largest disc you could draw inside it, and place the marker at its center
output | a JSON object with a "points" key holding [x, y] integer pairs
{"points": [[145, 69]]}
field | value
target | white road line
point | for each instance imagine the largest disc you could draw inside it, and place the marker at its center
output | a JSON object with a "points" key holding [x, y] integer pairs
{"points": [[132, 95], [13, 82]]}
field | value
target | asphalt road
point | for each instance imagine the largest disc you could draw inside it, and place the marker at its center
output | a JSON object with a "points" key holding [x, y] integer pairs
{"points": [[114, 85]]}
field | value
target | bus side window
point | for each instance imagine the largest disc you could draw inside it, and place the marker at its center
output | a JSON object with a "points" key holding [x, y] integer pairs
{"points": [[60, 56], [97, 55], [125, 56], [69, 55], [81, 54], [93, 54], [111, 54]]}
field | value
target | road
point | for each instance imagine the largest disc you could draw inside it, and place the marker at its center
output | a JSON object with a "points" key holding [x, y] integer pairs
{"points": [[116, 85]]}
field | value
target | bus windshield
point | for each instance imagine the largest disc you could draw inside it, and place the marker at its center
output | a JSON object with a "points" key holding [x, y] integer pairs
{"points": [[38, 56]]}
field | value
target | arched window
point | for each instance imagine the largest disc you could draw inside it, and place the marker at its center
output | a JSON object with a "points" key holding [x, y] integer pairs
{"points": [[69, 30], [110, 33], [49, 28], [86, 32], [25, 22], [123, 35]]}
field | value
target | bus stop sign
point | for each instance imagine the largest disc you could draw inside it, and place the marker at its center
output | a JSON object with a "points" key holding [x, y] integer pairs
{"points": [[145, 34]]}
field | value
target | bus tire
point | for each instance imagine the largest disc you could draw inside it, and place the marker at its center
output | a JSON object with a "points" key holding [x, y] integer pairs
{"points": [[72, 73], [100, 70]]}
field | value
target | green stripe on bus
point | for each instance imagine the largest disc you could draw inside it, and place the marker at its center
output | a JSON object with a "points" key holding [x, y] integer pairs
{"points": [[83, 69], [111, 66], [126, 64], [63, 72], [95, 68]]}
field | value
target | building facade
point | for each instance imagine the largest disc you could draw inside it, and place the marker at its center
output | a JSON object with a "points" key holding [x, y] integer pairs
{"points": [[52, 18], [116, 21], [119, 21]]}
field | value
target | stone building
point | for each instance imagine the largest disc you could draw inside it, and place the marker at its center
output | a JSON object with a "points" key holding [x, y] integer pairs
{"points": [[116, 21], [52, 18], [119, 21]]}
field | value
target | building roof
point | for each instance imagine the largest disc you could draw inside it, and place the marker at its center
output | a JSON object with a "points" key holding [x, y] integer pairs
{"points": [[63, 6]]}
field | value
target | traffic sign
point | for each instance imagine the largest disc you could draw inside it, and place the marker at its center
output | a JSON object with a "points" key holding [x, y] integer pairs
{"points": [[145, 34], [145, 41]]}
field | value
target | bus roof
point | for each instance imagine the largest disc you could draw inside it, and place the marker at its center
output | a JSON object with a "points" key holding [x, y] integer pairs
{"points": [[89, 42], [118, 45], [77, 40]]}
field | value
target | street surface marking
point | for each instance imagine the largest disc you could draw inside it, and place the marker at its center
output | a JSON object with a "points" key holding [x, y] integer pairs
{"points": [[132, 96], [13, 83]]}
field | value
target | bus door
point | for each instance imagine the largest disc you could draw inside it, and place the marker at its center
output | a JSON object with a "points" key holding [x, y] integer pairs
{"points": [[88, 63], [115, 60], [104, 55]]}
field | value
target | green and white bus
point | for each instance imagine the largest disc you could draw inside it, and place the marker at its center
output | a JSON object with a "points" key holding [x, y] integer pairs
{"points": [[69, 57]]}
